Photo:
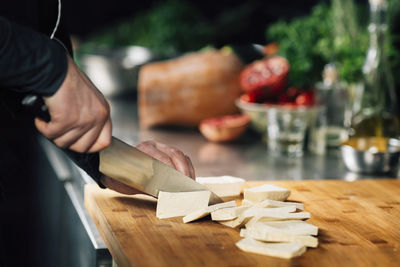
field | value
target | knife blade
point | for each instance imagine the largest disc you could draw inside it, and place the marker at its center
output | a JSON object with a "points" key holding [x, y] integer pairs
{"points": [[127, 164], [132, 167]]}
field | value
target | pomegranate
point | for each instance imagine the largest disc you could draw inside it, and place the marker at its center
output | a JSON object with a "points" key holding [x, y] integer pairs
{"points": [[224, 128], [269, 74]]}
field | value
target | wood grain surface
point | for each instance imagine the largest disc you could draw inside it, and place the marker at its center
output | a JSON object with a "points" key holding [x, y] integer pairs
{"points": [[359, 225]]}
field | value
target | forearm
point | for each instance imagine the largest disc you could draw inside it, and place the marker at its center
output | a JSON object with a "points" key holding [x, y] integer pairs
{"points": [[30, 62]]}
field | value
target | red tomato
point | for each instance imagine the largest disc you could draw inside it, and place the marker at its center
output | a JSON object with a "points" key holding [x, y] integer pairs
{"points": [[306, 99], [271, 49], [247, 98], [284, 99], [269, 74], [257, 96], [292, 93]]}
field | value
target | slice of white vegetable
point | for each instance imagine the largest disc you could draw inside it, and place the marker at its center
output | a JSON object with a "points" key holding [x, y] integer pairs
{"points": [[278, 217], [294, 227], [180, 204], [269, 203], [204, 212], [263, 234], [223, 186], [227, 214], [251, 212], [281, 250], [233, 213], [236, 223], [267, 191], [266, 212]]}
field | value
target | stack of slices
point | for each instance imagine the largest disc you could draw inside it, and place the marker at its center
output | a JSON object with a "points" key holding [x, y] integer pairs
{"points": [[269, 224]]}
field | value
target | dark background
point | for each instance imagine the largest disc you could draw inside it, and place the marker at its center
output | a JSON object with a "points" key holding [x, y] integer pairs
{"points": [[21, 241], [85, 17], [19, 217]]}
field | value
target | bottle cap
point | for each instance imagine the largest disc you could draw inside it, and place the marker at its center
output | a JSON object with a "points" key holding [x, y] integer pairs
{"points": [[377, 2], [330, 74]]}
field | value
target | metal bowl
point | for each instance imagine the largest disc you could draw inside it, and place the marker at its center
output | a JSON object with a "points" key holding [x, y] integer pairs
{"points": [[115, 71], [371, 162]]}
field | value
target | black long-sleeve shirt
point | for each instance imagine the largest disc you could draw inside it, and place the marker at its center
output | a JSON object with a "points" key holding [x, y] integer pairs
{"points": [[31, 62]]}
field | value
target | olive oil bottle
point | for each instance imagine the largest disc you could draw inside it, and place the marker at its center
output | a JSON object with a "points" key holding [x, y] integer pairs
{"points": [[375, 119]]}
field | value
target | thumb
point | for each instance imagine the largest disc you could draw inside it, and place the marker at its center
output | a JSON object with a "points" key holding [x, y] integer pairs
{"points": [[41, 125], [118, 186]]}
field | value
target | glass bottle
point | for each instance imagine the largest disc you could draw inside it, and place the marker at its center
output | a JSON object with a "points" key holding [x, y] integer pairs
{"points": [[328, 130], [375, 120]]}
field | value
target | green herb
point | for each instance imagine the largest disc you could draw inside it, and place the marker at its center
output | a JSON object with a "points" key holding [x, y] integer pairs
{"points": [[331, 33], [394, 39], [305, 42], [169, 27]]}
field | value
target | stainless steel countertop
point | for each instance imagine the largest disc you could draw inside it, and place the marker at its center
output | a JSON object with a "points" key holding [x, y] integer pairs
{"points": [[247, 158], [73, 180]]}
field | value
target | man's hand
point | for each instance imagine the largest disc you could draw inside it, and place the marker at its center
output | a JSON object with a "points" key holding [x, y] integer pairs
{"points": [[80, 115], [167, 154]]}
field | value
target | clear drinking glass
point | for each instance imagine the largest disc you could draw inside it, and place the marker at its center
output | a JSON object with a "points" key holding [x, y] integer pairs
{"points": [[333, 116], [286, 129]]}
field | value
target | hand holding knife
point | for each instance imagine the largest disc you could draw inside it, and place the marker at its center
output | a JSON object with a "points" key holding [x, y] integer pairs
{"points": [[126, 164]]}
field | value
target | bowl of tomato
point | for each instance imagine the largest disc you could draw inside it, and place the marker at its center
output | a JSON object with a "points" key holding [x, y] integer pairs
{"points": [[292, 99], [264, 83]]}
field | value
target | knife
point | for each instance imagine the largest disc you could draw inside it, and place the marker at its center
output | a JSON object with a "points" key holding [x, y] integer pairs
{"points": [[126, 163]]}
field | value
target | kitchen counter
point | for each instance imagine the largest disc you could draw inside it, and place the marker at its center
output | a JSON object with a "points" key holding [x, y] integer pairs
{"points": [[358, 226], [247, 157]]}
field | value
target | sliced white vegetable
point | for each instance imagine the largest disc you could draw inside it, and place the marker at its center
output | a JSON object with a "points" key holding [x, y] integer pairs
{"points": [[278, 216], [263, 234], [248, 213], [266, 212], [294, 227], [204, 212], [281, 250], [236, 223], [233, 213], [223, 186], [227, 214], [267, 191], [269, 203], [180, 204]]}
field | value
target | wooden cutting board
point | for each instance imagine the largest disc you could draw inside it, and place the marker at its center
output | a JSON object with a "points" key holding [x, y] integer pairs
{"points": [[359, 225]]}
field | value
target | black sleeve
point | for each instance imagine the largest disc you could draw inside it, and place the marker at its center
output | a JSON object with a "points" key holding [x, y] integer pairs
{"points": [[30, 62]]}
